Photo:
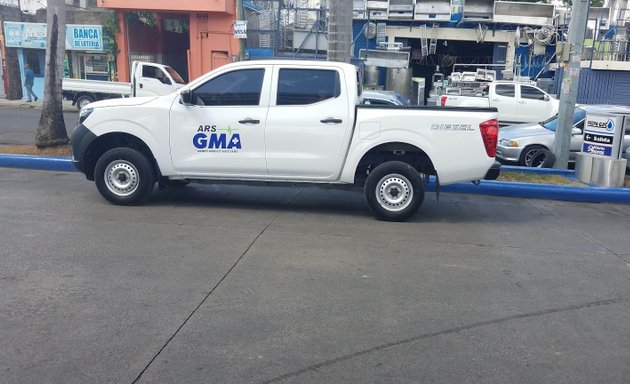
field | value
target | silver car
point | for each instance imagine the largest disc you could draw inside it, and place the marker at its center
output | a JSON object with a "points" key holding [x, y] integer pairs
{"points": [[383, 98], [528, 144]]}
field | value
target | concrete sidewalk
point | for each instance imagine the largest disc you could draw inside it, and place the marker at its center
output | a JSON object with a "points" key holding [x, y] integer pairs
{"points": [[6, 103]]}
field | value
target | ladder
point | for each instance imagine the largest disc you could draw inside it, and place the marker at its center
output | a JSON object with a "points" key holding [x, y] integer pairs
{"points": [[434, 34], [423, 40]]}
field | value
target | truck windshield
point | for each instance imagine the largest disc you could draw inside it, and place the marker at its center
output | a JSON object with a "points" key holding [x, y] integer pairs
{"points": [[552, 122], [176, 77]]}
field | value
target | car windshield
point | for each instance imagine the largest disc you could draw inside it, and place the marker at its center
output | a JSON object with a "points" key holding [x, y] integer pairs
{"points": [[402, 100], [552, 122], [178, 79]]}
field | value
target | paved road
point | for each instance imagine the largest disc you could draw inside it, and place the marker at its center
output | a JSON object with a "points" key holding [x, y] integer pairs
{"points": [[18, 125], [222, 284]]}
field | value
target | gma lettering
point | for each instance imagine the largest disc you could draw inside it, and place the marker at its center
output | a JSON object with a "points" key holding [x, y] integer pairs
{"points": [[217, 141]]}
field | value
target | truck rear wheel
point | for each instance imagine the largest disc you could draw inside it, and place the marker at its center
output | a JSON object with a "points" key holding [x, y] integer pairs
{"points": [[393, 191], [124, 176], [84, 100]]}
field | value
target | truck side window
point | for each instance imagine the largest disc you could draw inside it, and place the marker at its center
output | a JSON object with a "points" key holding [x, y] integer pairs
{"points": [[531, 93], [506, 90], [240, 87], [307, 86]]}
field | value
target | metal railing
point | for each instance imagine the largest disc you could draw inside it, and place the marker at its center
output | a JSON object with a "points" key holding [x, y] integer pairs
{"points": [[611, 50]]}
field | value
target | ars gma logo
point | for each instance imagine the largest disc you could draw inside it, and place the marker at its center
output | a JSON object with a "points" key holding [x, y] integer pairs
{"points": [[209, 137]]}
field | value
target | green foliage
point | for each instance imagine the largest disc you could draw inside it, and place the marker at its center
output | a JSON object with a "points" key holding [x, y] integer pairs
{"points": [[146, 18], [110, 28]]}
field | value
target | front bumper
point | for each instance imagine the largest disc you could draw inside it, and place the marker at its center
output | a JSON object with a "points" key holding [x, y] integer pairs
{"points": [[80, 141], [511, 154], [494, 171]]}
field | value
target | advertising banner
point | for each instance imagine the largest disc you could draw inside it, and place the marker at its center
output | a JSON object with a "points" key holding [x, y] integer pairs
{"points": [[33, 35], [240, 29]]}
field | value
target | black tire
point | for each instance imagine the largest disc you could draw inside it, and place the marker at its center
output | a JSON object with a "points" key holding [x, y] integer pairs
{"points": [[383, 186], [533, 156], [544, 159], [124, 176], [84, 100]]}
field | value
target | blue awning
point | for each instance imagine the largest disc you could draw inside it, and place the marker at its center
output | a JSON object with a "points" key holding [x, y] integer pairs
{"points": [[251, 6]]}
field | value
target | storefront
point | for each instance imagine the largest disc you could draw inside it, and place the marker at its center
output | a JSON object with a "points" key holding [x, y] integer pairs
{"points": [[84, 59]]}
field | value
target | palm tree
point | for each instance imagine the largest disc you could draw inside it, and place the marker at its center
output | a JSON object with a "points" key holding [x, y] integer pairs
{"points": [[52, 128]]}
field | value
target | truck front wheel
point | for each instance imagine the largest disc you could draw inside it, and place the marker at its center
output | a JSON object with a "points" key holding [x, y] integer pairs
{"points": [[124, 176], [393, 191]]}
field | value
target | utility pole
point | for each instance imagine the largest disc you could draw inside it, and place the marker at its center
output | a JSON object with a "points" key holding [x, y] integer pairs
{"points": [[340, 31], [240, 15], [570, 82]]}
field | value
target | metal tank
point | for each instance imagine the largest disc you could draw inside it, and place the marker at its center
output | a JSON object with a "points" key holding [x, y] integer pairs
{"points": [[399, 80], [370, 77]]}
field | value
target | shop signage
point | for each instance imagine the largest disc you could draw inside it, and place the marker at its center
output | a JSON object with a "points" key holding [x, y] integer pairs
{"points": [[603, 134], [33, 35], [240, 29]]}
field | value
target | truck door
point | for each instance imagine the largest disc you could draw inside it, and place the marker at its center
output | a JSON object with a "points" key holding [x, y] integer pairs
{"points": [[308, 119], [222, 130], [151, 80], [504, 99], [533, 104]]}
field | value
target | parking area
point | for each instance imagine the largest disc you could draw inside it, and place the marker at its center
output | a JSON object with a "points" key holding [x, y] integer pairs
{"points": [[236, 284]]}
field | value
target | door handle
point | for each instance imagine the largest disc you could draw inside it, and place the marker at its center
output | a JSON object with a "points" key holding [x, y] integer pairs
{"points": [[495, 99], [140, 85], [331, 120], [522, 102], [249, 121]]}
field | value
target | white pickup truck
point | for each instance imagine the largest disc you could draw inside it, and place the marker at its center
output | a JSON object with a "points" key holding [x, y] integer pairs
{"points": [[284, 122], [148, 79], [516, 102]]}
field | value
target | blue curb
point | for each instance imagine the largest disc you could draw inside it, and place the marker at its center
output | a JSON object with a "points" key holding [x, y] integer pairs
{"points": [[592, 194], [539, 191], [47, 163]]}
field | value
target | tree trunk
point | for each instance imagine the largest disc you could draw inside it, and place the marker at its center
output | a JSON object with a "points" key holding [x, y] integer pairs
{"points": [[52, 128]]}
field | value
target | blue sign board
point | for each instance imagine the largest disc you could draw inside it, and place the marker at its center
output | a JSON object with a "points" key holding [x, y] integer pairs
{"points": [[33, 35]]}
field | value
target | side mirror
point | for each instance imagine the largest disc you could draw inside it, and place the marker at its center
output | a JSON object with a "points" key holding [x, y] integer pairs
{"points": [[186, 97], [576, 131], [547, 98]]}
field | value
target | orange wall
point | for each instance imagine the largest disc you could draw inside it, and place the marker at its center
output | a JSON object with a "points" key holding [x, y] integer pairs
{"points": [[212, 42], [225, 6]]}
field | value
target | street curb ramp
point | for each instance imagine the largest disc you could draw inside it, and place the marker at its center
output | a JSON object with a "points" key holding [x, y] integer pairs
{"points": [[590, 194]]}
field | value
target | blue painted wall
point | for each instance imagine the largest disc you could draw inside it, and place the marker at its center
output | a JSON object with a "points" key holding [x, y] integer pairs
{"points": [[600, 87]]}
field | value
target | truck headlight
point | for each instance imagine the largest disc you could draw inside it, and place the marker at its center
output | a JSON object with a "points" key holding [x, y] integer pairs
{"points": [[84, 113], [508, 143]]}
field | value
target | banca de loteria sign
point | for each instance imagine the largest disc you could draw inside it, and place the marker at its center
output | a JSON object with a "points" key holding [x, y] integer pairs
{"points": [[33, 35]]}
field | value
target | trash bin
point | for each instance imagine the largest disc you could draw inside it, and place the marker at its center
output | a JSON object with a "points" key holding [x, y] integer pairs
{"points": [[602, 171]]}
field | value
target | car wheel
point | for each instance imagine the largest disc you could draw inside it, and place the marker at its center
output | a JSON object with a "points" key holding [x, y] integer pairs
{"points": [[124, 176], [534, 156], [84, 100], [393, 191], [544, 159]]}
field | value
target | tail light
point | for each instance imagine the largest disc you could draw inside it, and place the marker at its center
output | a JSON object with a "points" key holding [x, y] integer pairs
{"points": [[490, 134], [443, 100]]}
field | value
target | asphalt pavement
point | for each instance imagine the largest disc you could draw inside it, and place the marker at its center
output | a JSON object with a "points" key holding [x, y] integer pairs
{"points": [[19, 122], [239, 284]]}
